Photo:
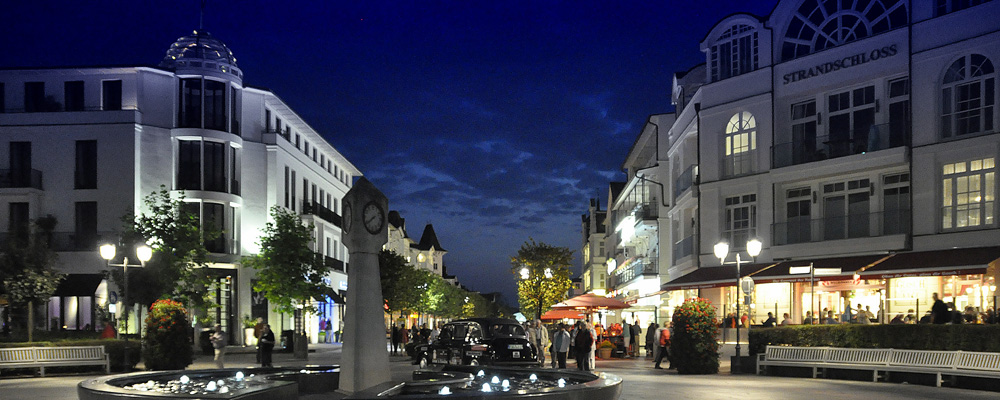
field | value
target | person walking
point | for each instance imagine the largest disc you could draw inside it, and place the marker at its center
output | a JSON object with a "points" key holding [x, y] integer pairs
{"points": [[560, 342], [395, 337], [257, 329], [636, 331], [218, 339], [626, 337], [540, 339], [650, 336], [663, 352], [266, 346], [583, 342], [329, 331]]}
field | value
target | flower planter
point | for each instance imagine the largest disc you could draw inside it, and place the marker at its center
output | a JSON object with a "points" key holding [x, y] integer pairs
{"points": [[604, 353]]}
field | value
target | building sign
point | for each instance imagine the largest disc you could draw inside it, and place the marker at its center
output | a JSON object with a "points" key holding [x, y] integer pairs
{"points": [[843, 63]]}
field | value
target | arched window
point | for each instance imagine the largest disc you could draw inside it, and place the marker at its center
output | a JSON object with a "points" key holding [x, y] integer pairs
{"points": [[818, 25], [734, 52], [741, 144], [943, 7], [968, 96]]}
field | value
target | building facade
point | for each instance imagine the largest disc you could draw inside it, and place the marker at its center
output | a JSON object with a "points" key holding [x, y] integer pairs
{"points": [[859, 138], [87, 145]]}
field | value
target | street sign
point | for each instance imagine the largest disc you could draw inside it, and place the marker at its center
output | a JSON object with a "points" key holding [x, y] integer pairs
{"points": [[746, 284], [113, 297]]}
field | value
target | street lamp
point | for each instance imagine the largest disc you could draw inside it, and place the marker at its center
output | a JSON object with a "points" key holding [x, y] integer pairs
{"points": [[721, 252], [143, 253], [525, 275]]}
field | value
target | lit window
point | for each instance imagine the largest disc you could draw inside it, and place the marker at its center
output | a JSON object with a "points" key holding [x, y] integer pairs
{"points": [[967, 194], [741, 141], [741, 219], [968, 96], [420, 257]]}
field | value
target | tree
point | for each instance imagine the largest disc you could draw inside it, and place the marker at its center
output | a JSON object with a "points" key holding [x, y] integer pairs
{"points": [[288, 272], [179, 266], [543, 276], [26, 273], [402, 284]]}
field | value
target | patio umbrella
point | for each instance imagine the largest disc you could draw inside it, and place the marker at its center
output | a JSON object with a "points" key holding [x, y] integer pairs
{"points": [[591, 302], [555, 315]]}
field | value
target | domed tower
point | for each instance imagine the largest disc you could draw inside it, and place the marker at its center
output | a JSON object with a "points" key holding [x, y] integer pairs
{"points": [[206, 137]]}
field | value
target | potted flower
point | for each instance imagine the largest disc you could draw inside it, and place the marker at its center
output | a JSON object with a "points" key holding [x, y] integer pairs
{"points": [[604, 349], [248, 328]]}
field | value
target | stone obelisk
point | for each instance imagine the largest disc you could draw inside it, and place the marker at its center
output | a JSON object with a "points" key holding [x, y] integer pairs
{"points": [[365, 359]]}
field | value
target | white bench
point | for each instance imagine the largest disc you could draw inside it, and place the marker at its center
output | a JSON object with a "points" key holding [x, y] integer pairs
{"points": [[41, 357], [938, 363]]}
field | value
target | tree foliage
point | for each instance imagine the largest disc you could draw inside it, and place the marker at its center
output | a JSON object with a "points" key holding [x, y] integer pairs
{"points": [[693, 345], [288, 272], [26, 273], [409, 289], [178, 268], [537, 293], [165, 345], [401, 282]]}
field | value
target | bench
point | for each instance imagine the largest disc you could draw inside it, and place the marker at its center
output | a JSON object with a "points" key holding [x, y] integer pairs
{"points": [[41, 357], [938, 363]]}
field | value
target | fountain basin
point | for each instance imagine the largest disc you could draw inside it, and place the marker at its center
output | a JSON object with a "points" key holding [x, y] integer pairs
{"points": [[257, 383]]}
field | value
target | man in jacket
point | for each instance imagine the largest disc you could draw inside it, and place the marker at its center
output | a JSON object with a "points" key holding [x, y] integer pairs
{"points": [[560, 342], [540, 338], [664, 343]]}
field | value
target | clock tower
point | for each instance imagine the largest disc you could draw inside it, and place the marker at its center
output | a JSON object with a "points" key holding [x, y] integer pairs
{"points": [[365, 359]]}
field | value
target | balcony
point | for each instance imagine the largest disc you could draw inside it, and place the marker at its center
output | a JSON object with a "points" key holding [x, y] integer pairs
{"points": [[637, 268], [840, 144], [842, 227], [314, 208], [684, 248], [738, 164], [685, 180], [331, 263], [21, 178], [646, 211]]}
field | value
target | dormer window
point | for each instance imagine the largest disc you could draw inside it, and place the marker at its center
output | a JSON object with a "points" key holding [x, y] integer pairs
{"points": [[734, 52]]}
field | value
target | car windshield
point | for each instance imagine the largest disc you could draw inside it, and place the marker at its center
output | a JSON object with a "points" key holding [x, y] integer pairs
{"points": [[508, 330]]}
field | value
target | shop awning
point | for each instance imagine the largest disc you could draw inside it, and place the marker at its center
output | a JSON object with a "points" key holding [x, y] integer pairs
{"points": [[328, 294], [591, 301], [934, 263], [79, 285], [848, 266], [554, 315], [712, 277]]}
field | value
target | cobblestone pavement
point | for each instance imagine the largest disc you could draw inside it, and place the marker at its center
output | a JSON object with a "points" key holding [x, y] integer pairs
{"points": [[641, 381]]}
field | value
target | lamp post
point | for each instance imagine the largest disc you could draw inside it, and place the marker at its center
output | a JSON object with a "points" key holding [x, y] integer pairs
{"points": [[721, 252], [525, 275], [143, 253]]}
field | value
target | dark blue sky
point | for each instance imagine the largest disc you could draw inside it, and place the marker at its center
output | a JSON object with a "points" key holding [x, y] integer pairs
{"points": [[495, 121]]}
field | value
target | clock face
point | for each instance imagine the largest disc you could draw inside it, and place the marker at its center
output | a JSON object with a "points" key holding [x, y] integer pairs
{"points": [[374, 218], [348, 218]]}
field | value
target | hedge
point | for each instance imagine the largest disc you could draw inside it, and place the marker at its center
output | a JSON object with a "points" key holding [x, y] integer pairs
{"points": [[913, 337], [114, 347]]}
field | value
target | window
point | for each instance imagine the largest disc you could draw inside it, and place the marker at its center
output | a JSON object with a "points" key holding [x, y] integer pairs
{"points": [[306, 151], [741, 219], [213, 226], [287, 186], [851, 117], [741, 144], [215, 105], [734, 53], [968, 96], [18, 219], [236, 111], [85, 176], [968, 190], [20, 165], [214, 167], [293, 191], [803, 145], [73, 95], [797, 215], [202, 166], [85, 221], [3, 100], [189, 165], [234, 171], [896, 204], [189, 111], [34, 97], [943, 7], [846, 209], [111, 95], [267, 120], [899, 114], [820, 24]]}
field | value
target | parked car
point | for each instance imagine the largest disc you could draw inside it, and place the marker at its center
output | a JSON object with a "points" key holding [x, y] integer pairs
{"points": [[478, 341]]}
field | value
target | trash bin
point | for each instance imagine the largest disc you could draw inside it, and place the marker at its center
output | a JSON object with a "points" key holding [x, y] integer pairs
{"points": [[287, 343]]}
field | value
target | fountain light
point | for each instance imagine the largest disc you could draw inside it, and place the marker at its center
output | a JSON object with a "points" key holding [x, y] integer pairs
{"points": [[505, 385], [210, 387], [481, 374], [487, 388], [185, 380], [239, 375], [561, 382], [533, 378], [224, 390], [444, 390], [495, 380], [220, 382]]}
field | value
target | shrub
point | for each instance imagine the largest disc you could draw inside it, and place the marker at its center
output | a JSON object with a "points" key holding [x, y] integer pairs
{"points": [[606, 345], [913, 337], [166, 343], [693, 347]]}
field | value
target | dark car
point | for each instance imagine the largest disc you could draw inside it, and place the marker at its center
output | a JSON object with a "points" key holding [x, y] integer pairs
{"points": [[478, 341]]}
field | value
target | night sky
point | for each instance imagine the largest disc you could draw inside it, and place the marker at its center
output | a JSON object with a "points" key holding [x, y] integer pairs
{"points": [[494, 121]]}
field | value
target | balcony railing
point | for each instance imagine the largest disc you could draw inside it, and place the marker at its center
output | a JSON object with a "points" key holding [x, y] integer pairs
{"points": [[647, 211], [21, 178], [638, 267], [739, 164], [284, 134], [684, 248], [840, 144], [314, 208], [331, 262], [842, 227], [684, 181]]}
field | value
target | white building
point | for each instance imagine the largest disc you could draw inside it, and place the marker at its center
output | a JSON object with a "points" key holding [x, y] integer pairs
{"points": [[852, 135], [427, 254], [594, 271], [86, 145]]}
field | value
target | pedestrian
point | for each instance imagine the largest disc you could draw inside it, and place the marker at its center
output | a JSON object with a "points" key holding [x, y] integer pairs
{"points": [[572, 340], [434, 333], [560, 342], [939, 311], [396, 338], [636, 330], [404, 336], [218, 339], [266, 345], [257, 329], [785, 320], [329, 331], [583, 342], [770, 321], [540, 338], [626, 337], [650, 332], [664, 342]]}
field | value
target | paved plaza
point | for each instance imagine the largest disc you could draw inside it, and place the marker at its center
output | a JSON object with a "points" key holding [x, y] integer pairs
{"points": [[641, 382]]}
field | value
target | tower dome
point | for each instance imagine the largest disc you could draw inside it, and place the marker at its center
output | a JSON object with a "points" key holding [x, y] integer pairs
{"points": [[200, 50]]}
